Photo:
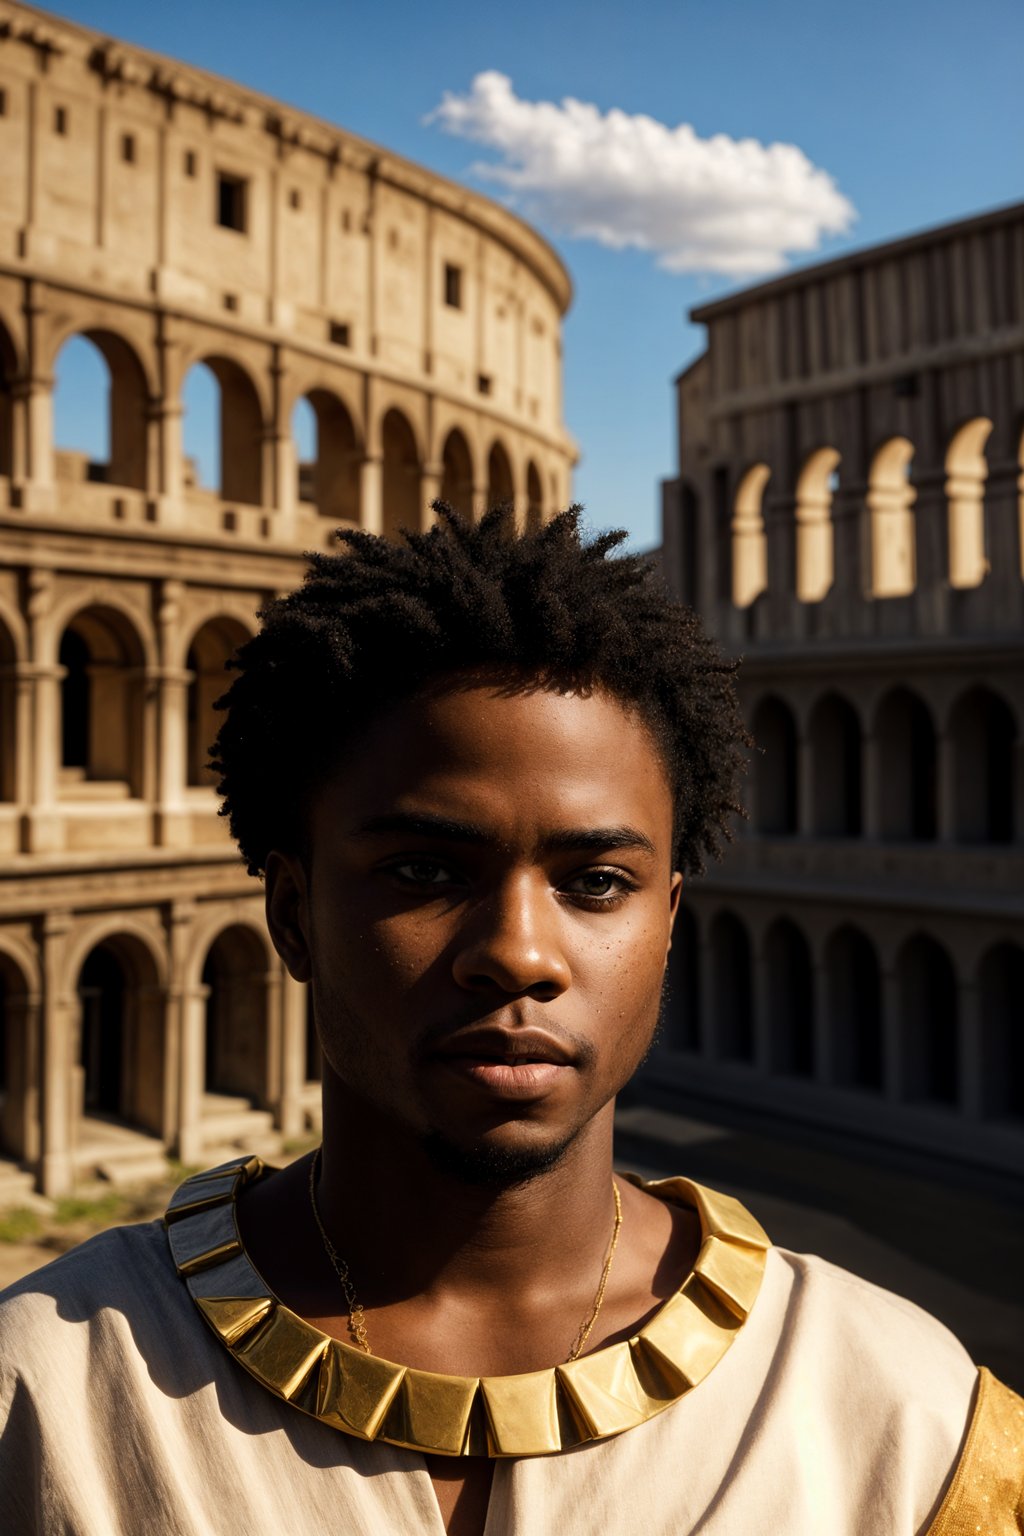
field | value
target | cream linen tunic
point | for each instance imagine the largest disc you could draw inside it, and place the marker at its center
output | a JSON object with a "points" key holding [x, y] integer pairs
{"points": [[838, 1411]]}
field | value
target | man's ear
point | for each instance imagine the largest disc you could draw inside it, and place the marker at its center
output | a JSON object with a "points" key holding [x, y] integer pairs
{"points": [[288, 913], [675, 890]]}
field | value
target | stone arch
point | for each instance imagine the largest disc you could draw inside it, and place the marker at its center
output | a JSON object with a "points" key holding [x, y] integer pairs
{"points": [[401, 473], [236, 972], [775, 767], [19, 1057], [9, 371], [890, 502], [929, 1023], [120, 1051], [501, 486], [1001, 1017], [683, 983], [329, 478], [907, 767], [210, 649], [966, 473], [815, 540], [983, 738], [534, 498], [789, 999], [853, 981], [457, 478], [835, 737], [732, 983], [238, 475], [124, 461], [749, 543], [102, 700]]}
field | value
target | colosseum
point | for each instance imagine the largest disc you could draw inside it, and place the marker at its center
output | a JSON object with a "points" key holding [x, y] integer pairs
{"points": [[176, 221], [849, 517]]}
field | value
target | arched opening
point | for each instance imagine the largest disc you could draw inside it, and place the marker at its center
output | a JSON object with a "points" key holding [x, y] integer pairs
{"points": [[683, 984], [101, 705], [749, 542], [789, 999], [212, 647], [327, 454], [834, 732], [314, 1055], [500, 485], [401, 473], [890, 503], [120, 1042], [966, 473], [815, 541], [1001, 1007], [775, 768], [18, 1071], [457, 474], [732, 981], [100, 401], [928, 1015], [907, 767], [222, 431], [854, 1009], [534, 498], [983, 733], [8, 374], [8, 714], [235, 973]]}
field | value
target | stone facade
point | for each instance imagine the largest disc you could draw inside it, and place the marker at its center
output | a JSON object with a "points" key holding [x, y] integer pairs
{"points": [[849, 517], [173, 218]]}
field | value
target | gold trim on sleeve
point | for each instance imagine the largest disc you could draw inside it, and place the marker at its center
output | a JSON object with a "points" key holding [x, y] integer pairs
{"points": [[986, 1496], [536, 1414]]}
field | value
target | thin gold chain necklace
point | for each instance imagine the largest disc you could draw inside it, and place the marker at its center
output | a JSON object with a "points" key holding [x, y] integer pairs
{"points": [[357, 1318]]}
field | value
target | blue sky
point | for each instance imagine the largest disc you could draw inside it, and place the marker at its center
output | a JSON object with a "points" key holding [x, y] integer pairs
{"points": [[913, 109]]}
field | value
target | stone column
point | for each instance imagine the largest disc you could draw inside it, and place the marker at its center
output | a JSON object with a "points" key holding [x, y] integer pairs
{"points": [[931, 545], [872, 789], [170, 822], [59, 1111], [945, 757], [23, 674], [191, 1004], [371, 494], [760, 1021], [805, 768]]}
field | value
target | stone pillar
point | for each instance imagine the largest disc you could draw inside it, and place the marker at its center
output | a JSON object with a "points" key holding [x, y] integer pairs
{"points": [[931, 558], [945, 757], [430, 490], [872, 789], [805, 767], [760, 1022], [371, 494], [191, 1004], [21, 769], [59, 1109], [165, 476], [293, 1056], [970, 1051], [33, 487], [170, 821]]}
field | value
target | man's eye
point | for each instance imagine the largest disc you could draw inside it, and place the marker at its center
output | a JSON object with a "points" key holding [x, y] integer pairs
{"points": [[600, 885], [422, 872]]}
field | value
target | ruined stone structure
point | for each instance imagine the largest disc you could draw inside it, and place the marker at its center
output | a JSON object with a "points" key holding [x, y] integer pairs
{"points": [[174, 219], [849, 517]]}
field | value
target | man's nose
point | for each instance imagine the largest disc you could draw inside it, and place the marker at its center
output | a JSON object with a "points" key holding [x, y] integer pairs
{"points": [[512, 942]]}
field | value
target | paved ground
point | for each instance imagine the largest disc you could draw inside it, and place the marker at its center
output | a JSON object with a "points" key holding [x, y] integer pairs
{"points": [[951, 1243]]}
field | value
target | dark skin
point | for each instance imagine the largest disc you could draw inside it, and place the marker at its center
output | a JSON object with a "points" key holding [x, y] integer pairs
{"points": [[491, 882]]}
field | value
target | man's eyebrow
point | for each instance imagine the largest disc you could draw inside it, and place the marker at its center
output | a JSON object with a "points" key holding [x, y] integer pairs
{"points": [[569, 840]]}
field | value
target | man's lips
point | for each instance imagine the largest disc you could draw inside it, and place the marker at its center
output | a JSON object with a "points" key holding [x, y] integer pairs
{"points": [[507, 1064]]}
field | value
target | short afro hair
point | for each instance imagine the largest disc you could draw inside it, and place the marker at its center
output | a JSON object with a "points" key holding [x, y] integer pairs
{"points": [[385, 620]]}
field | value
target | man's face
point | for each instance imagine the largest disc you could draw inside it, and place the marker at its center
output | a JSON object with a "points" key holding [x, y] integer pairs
{"points": [[486, 918]]}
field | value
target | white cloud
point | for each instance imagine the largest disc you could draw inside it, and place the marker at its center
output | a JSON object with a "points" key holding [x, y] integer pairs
{"points": [[723, 205]]}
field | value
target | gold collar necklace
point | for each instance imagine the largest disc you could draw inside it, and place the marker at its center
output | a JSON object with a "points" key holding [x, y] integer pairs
{"points": [[356, 1316], [604, 1393]]}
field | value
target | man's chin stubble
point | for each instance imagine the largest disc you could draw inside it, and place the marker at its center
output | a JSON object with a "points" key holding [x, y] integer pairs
{"points": [[497, 1168]]}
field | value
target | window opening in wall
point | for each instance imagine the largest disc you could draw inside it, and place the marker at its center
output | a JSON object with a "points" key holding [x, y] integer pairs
{"points": [[128, 148], [1001, 1006], [294, 198], [3, 103], [928, 1014], [232, 198], [683, 988], [339, 333], [235, 1054], [190, 162], [775, 769], [749, 546], [346, 220], [452, 285], [327, 455], [854, 1001], [483, 383], [789, 996], [966, 473], [60, 120], [74, 699], [814, 528], [393, 239], [231, 302], [101, 991], [457, 475], [983, 735], [732, 988]]}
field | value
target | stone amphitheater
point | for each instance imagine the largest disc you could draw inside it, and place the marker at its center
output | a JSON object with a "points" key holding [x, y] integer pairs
{"points": [[173, 221]]}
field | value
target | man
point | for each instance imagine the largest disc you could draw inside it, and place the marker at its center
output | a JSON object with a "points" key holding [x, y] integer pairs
{"points": [[474, 770]]}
